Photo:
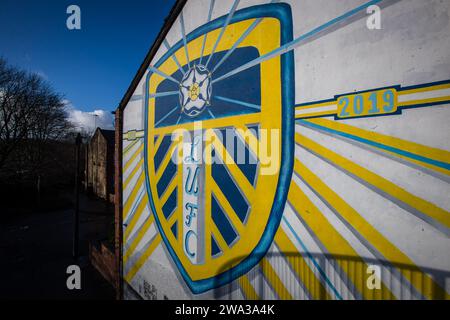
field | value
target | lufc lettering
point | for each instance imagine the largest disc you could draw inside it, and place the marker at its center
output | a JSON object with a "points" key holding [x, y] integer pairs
{"points": [[244, 309]]}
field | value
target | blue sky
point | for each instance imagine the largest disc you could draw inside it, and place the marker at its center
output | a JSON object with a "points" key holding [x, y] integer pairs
{"points": [[91, 67]]}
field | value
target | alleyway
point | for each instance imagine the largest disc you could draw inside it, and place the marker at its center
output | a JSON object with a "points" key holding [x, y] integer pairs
{"points": [[36, 249]]}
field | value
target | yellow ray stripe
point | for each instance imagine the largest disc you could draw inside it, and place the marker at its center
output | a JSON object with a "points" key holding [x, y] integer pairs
{"points": [[142, 259], [310, 281], [317, 105], [165, 162], [136, 153], [144, 228], [226, 206], [415, 148], [218, 237], [335, 244], [236, 173], [423, 101], [168, 192], [249, 138], [132, 173], [425, 89], [132, 196], [272, 277], [315, 114], [379, 182], [136, 216], [158, 143], [174, 217], [128, 147], [429, 289], [247, 289]]}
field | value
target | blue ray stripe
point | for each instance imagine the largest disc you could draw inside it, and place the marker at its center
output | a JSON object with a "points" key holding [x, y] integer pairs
{"points": [[174, 57], [407, 154], [163, 94], [238, 41], [183, 32], [319, 269], [227, 21], [162, 74], [242, 103], [296, 42], [165, 117], [211, 6]]}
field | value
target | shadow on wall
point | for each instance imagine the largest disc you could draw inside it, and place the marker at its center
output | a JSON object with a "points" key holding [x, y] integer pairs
{"points": [[322, 277]]}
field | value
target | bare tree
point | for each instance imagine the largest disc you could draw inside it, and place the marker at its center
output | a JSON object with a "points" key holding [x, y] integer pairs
{"points": [[31, 116]]}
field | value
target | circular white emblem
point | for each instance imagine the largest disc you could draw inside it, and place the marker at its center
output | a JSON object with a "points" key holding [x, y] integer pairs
{"points": [[195, 91]]}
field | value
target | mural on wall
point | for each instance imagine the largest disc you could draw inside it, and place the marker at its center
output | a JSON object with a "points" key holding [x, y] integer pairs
{"points": [[282, 222]]}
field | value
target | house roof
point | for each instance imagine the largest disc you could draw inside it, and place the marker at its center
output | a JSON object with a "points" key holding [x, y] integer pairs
{"points": [[174, 12]]}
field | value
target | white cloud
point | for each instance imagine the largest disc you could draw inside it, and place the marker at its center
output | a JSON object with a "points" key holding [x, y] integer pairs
{"points": [[89, 121]]}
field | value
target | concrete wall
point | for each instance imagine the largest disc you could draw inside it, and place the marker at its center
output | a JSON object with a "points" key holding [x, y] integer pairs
{"points": [[352, 200]]}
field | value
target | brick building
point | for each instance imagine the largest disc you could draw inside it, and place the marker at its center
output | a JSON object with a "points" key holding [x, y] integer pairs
{"points": [[99, 167]]}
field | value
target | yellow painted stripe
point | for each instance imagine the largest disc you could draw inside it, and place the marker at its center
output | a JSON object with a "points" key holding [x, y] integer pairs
{"points": [[147, 224], [142, 259], [234, 170], [158, 143], [315, 114], [317, 105], [172, 185], [377, 181], [310, 281], [212, 123], [425, 151], [133, 172], [128, 147], [165, 162], [275, 281], [345, 255], [218, 237], [132, 197], [428, 287], [251, 141], [174, 218], [425, 89], [226, 206], [247, 289], [136, 216], [130, 161], [424, 101]]}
